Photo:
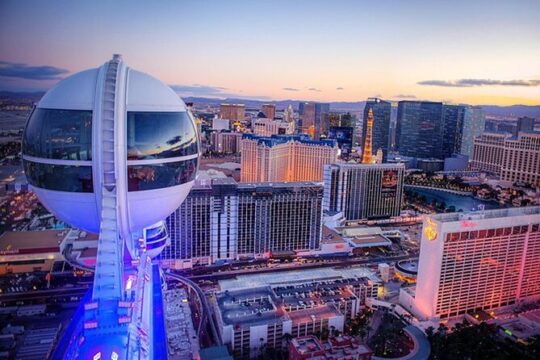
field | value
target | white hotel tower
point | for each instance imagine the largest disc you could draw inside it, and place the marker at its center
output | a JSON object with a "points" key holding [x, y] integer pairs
{"points": [[476, 261]]}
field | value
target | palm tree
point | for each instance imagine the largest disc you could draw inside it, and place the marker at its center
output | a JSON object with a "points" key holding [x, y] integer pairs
{"points": [[442, 329], [368, 329], [261, 347], [362, 334], [286, 338]]}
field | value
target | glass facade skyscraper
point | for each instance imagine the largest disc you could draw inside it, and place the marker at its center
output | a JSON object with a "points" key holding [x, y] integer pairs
{"points": [[315, 118], [381, 124], [474, 123], [524, 124], [452, 129], [420, 128]]}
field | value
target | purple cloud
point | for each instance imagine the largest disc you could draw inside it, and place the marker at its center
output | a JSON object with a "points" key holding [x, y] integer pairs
{"points": [[479, 82], [24, 71]]}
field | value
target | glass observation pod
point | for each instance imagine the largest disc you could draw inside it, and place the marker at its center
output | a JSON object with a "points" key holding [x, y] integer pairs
{"points": [[156, 164], [155, 238]]}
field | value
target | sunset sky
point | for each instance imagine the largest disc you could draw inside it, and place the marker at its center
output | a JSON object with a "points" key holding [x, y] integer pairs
{"points": [[478, 52]]}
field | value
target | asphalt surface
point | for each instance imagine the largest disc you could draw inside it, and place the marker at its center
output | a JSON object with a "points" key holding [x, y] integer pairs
{"points": [[344, 262], [207, 311]]}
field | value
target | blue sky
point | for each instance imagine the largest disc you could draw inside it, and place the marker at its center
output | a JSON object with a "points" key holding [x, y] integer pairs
{"points": [[458, 51]]}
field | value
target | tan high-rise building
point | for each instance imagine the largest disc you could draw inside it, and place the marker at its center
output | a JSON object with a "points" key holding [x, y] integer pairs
{"points": [[285, 158], [488, 152], [512, 159], [521, 159], [268, 127], [269, 110], [232, 112], [225, 142], [308, 118]]}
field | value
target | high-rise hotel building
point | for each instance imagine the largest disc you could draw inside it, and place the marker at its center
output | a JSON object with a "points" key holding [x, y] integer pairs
{"points": [[515, 159], [269, 110], [226, 220], [488, 150], [521, 160], [363, 191], [225, 142], [268, 127], [285, 158], [420, 129], [232, 112], [476, 261], [314, 118], [474, 123]]}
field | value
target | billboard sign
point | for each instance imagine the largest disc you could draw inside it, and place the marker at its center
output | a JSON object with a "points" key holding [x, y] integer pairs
{"points": [[389, 183]]}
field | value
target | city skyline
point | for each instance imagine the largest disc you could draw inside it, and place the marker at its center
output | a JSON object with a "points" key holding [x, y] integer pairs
{"points": [[457, 52], [285, 180]]}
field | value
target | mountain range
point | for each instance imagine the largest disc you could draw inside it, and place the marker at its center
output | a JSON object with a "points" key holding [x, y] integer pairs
{"points": [[512, 111]]}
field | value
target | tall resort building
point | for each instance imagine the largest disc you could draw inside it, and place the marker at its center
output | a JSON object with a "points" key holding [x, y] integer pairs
{"points": [[475, 261], [285, 158], [513, 159], [363, 191], [269, 110], [232, 112], [452, 125], [474, 123], [419, 129], [226, 220], [314, 118]]}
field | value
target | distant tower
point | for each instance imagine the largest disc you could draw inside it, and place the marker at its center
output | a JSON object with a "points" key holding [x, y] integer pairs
{"points": [[366, 154], [379, 157], [289, 114]]}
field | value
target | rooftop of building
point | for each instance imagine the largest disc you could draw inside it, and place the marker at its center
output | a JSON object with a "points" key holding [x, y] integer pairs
{"points": [[364, 241], [17, 242], [368, 166], [362, 236], [532, 316], [283, 139], [222, 182], [226, 104], [518, 328], [408, 266], [249, 306], [419, 102], [315, 294], [341, 347], [81, 235], [306, 345], [318, 313], [295, 277], [487, 214]]}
